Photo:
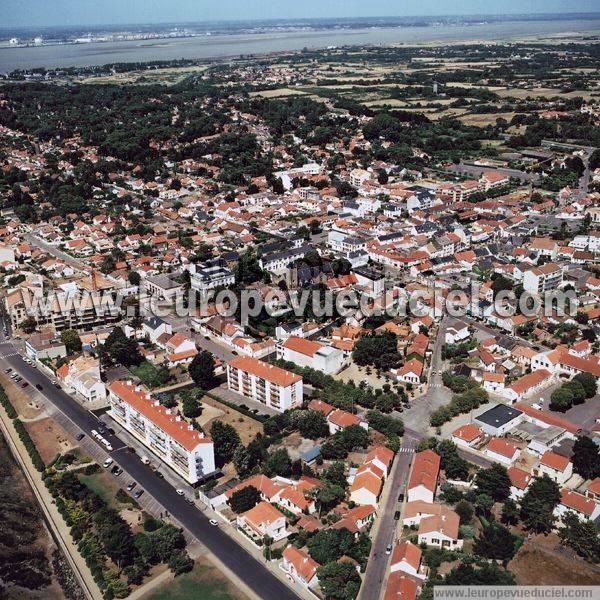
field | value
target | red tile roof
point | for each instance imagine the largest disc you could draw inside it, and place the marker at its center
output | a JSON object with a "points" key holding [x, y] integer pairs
{"points": [[554, 461], [502, 447], [162, 417], [264, 370], [425, 469]]}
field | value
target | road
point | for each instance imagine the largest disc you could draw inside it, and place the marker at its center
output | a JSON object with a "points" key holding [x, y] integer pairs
{"points": [[416, 420], [386, 527], [34, 240], [254, 574]]}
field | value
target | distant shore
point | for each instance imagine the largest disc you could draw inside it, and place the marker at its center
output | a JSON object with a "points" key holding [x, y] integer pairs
{"points": [[206, 47]]}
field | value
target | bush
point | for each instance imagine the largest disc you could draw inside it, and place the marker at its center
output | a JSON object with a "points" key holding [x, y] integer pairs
{"points": [[8, 407], [24, 436]]}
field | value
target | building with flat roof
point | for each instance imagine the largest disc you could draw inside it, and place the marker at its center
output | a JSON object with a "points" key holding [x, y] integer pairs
{"points": [[499, 419], [265, 383], [189, 452]]}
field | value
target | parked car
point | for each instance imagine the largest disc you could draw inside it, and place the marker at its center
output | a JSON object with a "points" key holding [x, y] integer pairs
{"points": [[213, 522], [388, 549], [401, 498], [138, 493], [39, 386], [131, 486], [24, 384], [79, 436], [107, 463], [180, 492], [9, 370], [396, 515]]}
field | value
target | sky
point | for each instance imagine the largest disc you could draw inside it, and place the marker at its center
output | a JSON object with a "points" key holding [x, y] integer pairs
{"points": [[19, 13]]}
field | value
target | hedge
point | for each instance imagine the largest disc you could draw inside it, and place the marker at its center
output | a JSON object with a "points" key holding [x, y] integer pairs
{"points": [[8, 407], [24, 436]]}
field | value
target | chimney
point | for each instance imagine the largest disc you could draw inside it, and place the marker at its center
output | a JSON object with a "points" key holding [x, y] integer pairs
{"points": [[156, 403], [168, 411], [148, 397], [178, 418], [137, 388]]}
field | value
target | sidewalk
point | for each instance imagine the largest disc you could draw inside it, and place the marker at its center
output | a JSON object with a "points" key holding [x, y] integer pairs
{"points": [[53, 518]]}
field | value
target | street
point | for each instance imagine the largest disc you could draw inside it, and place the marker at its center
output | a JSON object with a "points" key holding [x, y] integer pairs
{"points": [[255, 575]]}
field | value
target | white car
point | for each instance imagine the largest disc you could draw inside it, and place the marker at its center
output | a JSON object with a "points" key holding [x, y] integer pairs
{"points": [[213, 522], [180, 492], [107, 463]]}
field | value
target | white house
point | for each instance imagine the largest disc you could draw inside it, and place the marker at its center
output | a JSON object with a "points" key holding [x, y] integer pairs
{"points": [[308, 353], [559, 468], [406, 557], [264, 519], [422, 482], [300, 566], [501, 451]]}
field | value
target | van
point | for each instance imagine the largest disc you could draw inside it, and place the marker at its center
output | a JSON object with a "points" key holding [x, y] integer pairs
{"points": [[145, 460]]}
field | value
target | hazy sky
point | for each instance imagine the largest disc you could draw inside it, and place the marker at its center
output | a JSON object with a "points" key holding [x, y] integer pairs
{"points": [[95, 12]]}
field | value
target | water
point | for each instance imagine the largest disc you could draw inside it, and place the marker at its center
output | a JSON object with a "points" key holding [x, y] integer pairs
{"points": [[219, 46]]}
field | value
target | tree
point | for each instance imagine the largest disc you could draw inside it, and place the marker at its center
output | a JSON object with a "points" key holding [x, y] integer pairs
{"points": [[539, 503], [278, 463], [120, 349], [180, 562], [494, 481], [225, 439], [336, 475], [191, 407], [245, 499], [247, 458], [582, 536], [465, 511], [134, 277], [312, 424], [28, 325], [484, 503], [588, 382], [339, 580], [202, 369], [451, 463], [118, 543], [561, 399], [488, 574], [510, 512], [495, 541], [329, 545], [70, 338], [586, 458]]}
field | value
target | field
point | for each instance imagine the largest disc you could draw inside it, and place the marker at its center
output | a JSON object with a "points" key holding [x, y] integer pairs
{"points": [[552, 566], [49, 438], [204, 581], [148, 76], [483, 119]]}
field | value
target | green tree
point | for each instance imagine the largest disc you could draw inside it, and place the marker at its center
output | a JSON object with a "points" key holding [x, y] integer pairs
{"points": [[495, 541], [586, 458], [245, 499], [339, 580], [494, 481], [202, 370], [278, 463], [336, 475], [180, 562], [588, 381], [465, 511], [510, 512], [582, 536], [225, 440], [70, 338], [28, 325], [120, 349], [539, 503]]}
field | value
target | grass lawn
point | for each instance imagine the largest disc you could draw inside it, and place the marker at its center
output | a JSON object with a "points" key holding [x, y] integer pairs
{"points": [[103, 485], [204, 581], [150, 375]]}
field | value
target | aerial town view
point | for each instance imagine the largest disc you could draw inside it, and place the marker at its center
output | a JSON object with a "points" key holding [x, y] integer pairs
{"points": [[298, 301]]}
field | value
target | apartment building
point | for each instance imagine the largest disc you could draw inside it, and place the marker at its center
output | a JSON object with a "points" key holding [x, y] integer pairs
{"points": [[542, 279], [270, 385], [189, 452]]}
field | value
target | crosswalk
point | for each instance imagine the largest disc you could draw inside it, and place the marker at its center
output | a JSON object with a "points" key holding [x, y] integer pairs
{"points": [[407, 450], [9, 355]]}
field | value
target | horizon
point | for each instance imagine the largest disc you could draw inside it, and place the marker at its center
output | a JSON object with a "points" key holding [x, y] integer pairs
{"points": [[26, 14]]}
